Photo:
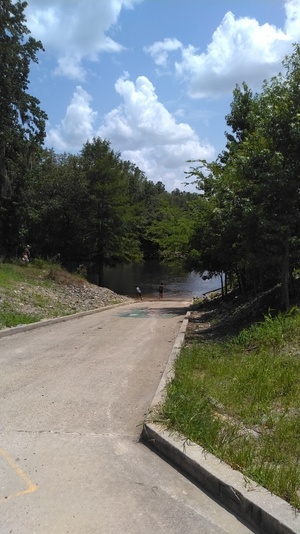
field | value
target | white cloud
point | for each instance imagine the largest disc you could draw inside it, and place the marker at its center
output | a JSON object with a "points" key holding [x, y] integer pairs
{"points": [[159, 51], [240, 50], [292, 25], [75, 30], [144, 131], [77, 125], [141, 129]]}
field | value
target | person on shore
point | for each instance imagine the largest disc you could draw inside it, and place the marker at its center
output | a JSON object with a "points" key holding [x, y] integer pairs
{"points": [[26, 255], [161, 290], [138, 292], [25, 258], [27, 251]]}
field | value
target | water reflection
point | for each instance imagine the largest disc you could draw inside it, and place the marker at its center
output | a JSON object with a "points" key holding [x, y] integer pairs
{"points": [[148, 276]]}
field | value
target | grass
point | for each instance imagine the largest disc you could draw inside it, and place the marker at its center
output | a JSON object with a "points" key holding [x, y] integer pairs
{"points": [[10, 275], [239, 398], [10, 318]]}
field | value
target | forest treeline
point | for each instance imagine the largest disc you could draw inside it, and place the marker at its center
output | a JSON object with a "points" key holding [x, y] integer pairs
{"points": [[92, 209], [95, 209]]}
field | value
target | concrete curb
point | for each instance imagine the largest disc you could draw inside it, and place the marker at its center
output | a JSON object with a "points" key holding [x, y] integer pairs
{"points": [[256, 506], [62, 319]]}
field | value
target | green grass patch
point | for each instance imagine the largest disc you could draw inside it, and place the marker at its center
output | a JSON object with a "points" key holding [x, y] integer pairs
{"points": [[240, 400], [10, 274], [10, 318], [39, 272]]}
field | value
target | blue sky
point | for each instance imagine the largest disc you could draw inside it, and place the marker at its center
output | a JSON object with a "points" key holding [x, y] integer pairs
{"points": [[154, 77]]}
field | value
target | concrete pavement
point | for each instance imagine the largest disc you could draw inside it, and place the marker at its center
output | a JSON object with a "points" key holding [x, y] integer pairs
{"points": [[74, 394]]}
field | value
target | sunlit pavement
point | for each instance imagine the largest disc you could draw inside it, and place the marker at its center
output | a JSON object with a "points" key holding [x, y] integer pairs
{"points": [[75, 393]]}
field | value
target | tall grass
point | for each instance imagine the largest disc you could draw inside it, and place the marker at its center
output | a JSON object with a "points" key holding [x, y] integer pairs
{"points": [[240, 400], [10, 274]]}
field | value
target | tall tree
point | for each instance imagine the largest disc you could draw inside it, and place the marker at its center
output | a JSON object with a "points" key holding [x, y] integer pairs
{"points": [[22, 122], [110, 238]]}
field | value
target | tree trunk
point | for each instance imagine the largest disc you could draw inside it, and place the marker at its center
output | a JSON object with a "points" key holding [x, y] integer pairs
{"points": [[5, 189], [222, 285], [101, 273], [100, 249], [226, 284], [285, 300]]}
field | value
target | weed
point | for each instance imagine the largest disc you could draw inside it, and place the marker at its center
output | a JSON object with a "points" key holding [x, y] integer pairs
{"points": [[40, 263]]}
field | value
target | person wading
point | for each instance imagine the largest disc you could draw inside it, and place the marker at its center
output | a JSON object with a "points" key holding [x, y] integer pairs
{"points": [[138, 292], [161, 290]]}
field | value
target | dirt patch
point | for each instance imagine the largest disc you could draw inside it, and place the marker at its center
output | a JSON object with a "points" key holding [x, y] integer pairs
{"points": [[221, 319]]}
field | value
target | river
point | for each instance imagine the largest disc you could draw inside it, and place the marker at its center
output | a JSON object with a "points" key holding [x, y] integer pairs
{"points": [[123, 280]]}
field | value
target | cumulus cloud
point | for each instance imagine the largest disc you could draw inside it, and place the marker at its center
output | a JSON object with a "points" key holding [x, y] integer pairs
{"points": [[77, 126], [147, 134], [240, 50], [75, 30], [141, 129]]}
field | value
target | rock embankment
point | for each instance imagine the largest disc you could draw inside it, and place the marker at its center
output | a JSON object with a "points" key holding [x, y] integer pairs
{"points": [[87, 297], [58, 300]]}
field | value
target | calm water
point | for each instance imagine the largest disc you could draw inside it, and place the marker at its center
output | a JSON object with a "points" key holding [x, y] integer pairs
{"points": [[148, 276]]}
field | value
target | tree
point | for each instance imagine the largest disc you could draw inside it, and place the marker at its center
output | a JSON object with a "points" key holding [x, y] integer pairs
{"points": [[110, 238], [266, 165], [280, 125], [22, 122], [53, 207], [212, 239], [171, 228]]}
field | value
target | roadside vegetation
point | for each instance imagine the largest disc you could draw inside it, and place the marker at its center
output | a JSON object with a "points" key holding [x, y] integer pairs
{"points": [[238, 397]]}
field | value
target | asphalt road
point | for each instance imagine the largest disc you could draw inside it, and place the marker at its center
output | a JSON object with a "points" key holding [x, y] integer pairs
{"points": [[73, 398]]}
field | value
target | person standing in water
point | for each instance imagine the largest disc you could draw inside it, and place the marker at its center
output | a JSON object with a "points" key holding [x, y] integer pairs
{"points": [[138, 292], [161, 290]]}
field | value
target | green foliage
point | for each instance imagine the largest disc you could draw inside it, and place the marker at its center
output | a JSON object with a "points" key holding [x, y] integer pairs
{"points": [[171, 231], [93, 209], [250, 219], [110, 237], [22, 122], [54, 206], [40, 263]]}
